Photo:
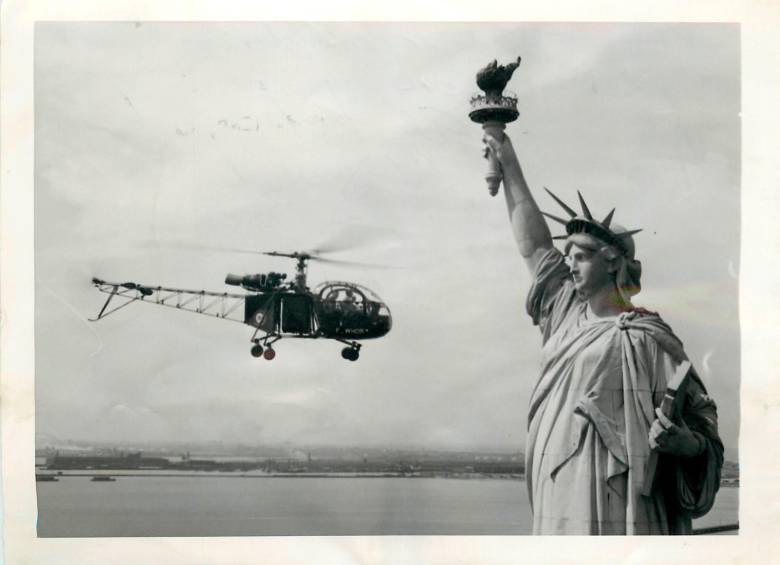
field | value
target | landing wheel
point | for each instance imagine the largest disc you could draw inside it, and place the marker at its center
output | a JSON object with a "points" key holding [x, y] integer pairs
{"points": [[269, 354], [257, 350], [350, 353]]}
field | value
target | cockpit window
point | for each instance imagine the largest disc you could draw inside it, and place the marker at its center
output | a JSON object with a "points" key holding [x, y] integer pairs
{"points": [[344, 299]]}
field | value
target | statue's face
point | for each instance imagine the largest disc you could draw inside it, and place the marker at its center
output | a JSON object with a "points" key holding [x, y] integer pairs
{"points": [[590, 270]]}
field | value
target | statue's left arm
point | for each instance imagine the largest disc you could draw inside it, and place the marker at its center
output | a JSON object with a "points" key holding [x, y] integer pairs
{"points": [[698, 477]]}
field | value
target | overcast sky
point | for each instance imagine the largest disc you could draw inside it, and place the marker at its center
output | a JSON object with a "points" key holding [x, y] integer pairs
{"points": [[153, 137]]}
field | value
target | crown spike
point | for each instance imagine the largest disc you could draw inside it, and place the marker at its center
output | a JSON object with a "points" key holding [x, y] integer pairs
{"points": [[608, 220], [556, 218], [584, 206], [628, 233], [569, 211]]}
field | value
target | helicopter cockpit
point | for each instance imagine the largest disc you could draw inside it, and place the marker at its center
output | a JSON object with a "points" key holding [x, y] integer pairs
{"points": [[350, 310]]}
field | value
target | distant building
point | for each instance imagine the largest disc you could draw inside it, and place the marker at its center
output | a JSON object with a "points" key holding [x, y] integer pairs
{"points": [[127, 461]]}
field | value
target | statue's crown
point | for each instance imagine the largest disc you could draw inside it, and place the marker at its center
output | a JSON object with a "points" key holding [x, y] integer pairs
{"points": [[585, 223]]}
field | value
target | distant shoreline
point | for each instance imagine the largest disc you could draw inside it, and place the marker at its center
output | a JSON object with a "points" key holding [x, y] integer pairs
{"points": [[725, 483], [243, 475]]}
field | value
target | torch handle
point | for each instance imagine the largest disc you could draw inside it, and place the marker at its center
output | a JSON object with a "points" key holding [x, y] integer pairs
{"points": [[493, 175]]}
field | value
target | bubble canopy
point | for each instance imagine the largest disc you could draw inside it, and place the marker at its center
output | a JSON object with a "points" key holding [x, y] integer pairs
{"points": [[341, 290]]}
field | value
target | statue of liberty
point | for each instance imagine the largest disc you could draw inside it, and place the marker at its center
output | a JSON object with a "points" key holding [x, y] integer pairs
{"points": [[595, 418]]}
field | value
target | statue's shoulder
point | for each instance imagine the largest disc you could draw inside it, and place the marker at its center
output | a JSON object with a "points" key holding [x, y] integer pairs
{"points": [[641, 311], [647, 326], [640, 319]]}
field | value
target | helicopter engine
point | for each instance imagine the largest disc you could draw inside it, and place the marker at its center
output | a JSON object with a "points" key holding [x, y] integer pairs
{"points": [[257, 283]]}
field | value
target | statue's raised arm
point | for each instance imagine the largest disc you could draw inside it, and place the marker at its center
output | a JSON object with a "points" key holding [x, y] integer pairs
{"points": [[528, 224]]}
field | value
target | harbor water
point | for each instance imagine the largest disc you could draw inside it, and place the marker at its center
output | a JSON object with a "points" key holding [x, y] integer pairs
{"points": [[76, 506]]}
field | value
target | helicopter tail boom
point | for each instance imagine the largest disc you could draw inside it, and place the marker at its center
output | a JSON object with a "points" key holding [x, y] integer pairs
{"points": [[217, 304]]}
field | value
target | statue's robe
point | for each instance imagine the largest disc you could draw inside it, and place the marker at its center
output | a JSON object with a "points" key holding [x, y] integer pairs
{"points": [[591, 413]]}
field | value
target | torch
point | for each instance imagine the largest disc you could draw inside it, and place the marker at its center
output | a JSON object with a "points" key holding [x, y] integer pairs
{"points": [[494, 110]]}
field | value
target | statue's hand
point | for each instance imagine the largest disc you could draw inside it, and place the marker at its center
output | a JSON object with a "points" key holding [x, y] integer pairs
{"points": [[504, 152], [668, 437]]}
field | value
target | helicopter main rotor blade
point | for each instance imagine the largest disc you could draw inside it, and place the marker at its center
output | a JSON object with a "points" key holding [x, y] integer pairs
{"points": [[350, 263], [294, 255], [350, 237], [333, 245]]}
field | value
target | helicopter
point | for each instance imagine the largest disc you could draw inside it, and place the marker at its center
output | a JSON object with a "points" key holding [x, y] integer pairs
{"points": [[342, 311]]}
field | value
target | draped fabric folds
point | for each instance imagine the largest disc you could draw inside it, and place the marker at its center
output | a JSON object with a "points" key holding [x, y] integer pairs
{"points": [[590, 416]]}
